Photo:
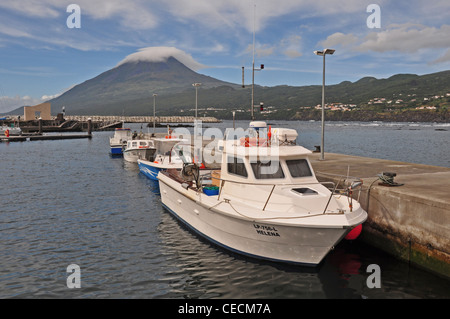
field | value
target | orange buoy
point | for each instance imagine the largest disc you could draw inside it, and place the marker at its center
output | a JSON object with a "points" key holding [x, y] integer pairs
{"points": [[354, 233], [7, 133]]}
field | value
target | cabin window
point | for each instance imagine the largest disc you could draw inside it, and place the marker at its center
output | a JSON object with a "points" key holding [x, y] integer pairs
{"points": [[267, 169], [236, 166], [299, 168], [142, 143], [134, 144]]}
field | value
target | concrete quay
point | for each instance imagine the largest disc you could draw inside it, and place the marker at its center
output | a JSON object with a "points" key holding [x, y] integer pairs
{"points": [[410, 222]]}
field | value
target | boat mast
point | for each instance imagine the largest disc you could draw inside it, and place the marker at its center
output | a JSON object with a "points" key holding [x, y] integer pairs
{"points": [[253, 67]]}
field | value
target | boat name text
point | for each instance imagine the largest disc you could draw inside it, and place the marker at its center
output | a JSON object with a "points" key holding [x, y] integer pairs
{"points": [[266, 230]]}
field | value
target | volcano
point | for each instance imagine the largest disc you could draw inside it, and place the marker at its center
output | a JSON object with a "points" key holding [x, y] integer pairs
{"points": [[129, 87]]}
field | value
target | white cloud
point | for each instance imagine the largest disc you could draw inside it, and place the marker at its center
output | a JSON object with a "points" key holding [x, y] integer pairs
{"points": [[406, 38], [261, 50], [289, 46], [444, 58], [133, 14], [161, 54], [49, 97], [292, 46], [8, 104], [339, 39], [415, 41], [243, 14], [13, 32], [41, 9], [141, 14]]}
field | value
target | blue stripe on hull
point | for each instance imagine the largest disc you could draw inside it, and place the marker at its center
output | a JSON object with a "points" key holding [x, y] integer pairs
{"points": [[149, 171], [116, 150]]}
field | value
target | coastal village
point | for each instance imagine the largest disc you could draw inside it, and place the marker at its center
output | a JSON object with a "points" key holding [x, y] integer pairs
{"points": [[409, 101], [397, 102]]}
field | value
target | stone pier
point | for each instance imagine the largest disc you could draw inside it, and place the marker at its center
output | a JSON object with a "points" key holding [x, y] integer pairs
{"points": [[412, 221]]}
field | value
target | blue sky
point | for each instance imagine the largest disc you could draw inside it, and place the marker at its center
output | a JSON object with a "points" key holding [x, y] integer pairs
{"points": [[41, 57]]}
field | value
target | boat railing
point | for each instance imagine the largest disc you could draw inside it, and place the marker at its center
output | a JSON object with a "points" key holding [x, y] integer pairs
{"points": [[332, 186]]}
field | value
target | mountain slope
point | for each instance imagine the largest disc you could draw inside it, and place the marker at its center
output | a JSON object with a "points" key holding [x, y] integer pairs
{"points": [[128, 82], [128, 88]]}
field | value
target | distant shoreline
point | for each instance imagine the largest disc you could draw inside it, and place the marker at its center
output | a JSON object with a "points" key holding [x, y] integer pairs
{"points": [[368, 116]]}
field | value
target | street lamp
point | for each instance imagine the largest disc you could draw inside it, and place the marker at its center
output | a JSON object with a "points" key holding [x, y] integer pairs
{"points": [[196, 85], [323, 53], [154, 112]]}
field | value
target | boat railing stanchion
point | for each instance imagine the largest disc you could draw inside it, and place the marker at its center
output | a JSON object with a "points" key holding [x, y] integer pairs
{"points": [[270, 195]]}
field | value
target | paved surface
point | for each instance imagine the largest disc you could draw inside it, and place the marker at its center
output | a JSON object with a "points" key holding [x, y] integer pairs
{"points": [[423, 181], [411, 221]]}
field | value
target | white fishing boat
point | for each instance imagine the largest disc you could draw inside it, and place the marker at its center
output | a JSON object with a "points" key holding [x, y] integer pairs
{"points": [[119, 140], [10, 131], [265, 201], [168, 155], [139, 149]]}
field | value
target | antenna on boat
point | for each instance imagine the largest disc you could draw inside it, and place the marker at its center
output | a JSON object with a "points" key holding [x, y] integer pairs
{"points": [[253, 64]]}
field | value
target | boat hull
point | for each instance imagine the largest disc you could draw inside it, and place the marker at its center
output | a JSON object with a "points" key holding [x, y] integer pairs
{"points": [[150, 171], [258, 239], [132, 155], [116, 150]]}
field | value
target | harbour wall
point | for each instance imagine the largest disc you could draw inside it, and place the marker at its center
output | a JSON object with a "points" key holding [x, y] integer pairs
{"points": [[410, 221], [141, 119], [79, 123]]}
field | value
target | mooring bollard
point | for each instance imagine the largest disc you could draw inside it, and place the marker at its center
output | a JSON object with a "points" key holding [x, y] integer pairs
{"points": [[89, 126], [40, 125]]}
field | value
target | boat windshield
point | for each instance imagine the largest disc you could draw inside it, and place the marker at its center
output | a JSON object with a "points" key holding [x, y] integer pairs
{"points": [[299, 168], [236, 166], [267, 169]]}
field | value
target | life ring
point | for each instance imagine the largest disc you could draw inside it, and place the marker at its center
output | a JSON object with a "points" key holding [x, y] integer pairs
{"points": [[7, 133]]}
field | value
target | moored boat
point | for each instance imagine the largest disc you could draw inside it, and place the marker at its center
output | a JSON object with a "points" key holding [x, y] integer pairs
{"points": [[119, 140], [168, 155], [10, 131], [264, 202], [139, 149]]}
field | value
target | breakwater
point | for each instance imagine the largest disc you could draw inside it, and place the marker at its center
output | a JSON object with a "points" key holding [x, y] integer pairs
{"points": [[80, 123], [141, 119]]}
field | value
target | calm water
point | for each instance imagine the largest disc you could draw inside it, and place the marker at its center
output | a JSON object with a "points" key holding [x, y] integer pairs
{"points": [[68, 202]]}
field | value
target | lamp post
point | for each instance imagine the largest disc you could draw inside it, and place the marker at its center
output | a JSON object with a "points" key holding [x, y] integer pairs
{"points": [[154, 112], [323, 53], [196, 85]]}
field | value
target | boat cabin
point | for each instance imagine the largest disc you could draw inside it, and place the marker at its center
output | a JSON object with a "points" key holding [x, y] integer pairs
{"points": [[266, 156], [140, 144], [121, 135]]}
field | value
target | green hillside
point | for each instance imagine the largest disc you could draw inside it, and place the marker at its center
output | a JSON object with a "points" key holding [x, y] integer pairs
{"points": [[128, 90]]}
